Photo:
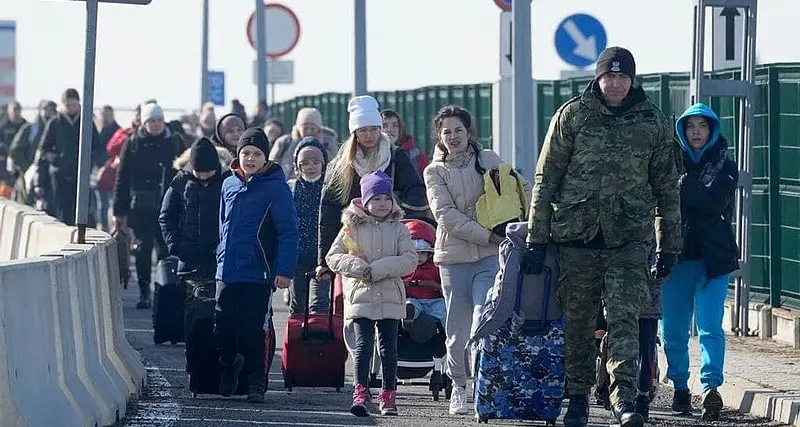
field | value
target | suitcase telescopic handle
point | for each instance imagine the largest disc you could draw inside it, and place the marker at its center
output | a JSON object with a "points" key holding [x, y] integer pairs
{"points": [[307, 305]]}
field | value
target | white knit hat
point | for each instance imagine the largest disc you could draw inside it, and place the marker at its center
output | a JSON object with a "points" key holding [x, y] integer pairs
{"points": [[150, 111], [363, 113], [308, 115]]}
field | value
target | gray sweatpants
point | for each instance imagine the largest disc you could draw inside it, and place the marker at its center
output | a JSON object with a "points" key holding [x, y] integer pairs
{"points": [[465, 287]]}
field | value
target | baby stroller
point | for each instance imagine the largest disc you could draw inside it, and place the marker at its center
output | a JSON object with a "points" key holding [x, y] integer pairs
{"points": [[421, 342], [420, 355]]}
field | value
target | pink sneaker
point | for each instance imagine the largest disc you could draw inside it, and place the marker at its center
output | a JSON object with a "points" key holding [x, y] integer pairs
{"points": [[361, 399], [388, 405]]}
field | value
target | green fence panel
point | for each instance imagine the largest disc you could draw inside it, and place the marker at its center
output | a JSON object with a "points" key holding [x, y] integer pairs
{"points": [[775, 229], [785, 147]]}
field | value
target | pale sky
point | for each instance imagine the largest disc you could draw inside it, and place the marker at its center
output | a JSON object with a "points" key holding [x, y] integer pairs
{"points": [[154, 51]]}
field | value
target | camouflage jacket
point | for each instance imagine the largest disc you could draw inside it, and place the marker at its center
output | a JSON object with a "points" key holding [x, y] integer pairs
{"points": [[603, 171]]}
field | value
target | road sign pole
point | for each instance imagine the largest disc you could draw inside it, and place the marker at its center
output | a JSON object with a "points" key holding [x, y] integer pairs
{"points": [[526, 145], [261, 48], [360, 21], [204, 58], [87, 122]]}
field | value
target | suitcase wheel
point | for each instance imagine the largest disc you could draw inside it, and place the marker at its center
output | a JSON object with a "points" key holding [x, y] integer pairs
{"points": [[374, 381], [482, 420], [287, 384], [194, 395], [448, 387]]}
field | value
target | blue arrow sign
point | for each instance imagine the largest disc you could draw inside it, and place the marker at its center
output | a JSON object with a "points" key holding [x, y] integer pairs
{"points": [[579, 39], [216, 87]]}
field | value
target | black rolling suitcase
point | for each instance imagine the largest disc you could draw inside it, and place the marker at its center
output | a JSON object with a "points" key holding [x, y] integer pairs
{"points": [[168, 303], [202, 357]]}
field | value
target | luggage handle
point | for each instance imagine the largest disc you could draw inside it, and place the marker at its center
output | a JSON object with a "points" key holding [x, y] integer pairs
{"points": [[548, 273], [307, 304]]}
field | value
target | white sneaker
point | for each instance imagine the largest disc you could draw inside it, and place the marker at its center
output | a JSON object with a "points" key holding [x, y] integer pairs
{"points": [[458, 401]]}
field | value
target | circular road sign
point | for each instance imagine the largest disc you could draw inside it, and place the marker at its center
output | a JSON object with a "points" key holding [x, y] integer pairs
{"points": [[503, 4], [283, 30]]}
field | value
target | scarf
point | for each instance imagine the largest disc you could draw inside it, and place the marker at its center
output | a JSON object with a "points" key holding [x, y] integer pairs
{"points": [[367, 163]]}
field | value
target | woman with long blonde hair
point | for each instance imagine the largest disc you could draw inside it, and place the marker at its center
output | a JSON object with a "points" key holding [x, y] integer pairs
{"points": [[366, 150]]}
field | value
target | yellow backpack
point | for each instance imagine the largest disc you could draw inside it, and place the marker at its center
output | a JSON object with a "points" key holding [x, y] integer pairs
{"points": [[503, 200]]}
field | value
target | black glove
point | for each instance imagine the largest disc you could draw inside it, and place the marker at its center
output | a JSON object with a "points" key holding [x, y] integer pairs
{"points": [[532, 261], [663, 265]]}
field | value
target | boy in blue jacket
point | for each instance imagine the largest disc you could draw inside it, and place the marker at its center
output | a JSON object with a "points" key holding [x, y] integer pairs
{"points": [[257, 250]]}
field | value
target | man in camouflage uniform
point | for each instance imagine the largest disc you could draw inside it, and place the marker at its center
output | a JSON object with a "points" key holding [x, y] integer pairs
{"points": [[605, 174]]}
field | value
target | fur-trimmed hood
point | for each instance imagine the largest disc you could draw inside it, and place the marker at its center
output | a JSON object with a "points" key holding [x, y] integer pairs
{"points": [[356, 214], [225, 158]]}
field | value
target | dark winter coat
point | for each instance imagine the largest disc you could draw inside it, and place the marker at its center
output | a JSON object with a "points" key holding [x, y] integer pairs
{"points": [[189, 222], [59, 145], [708, 187], [257, 227], [408, 187], [144, 173], [24, 145], [9, 130], [307, 201]]}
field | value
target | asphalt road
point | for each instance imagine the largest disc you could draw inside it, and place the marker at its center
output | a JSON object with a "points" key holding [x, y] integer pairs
{"points": [[168, 403]]}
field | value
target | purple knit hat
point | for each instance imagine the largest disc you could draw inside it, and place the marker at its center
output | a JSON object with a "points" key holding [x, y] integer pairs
{"points": [[374, 184]]}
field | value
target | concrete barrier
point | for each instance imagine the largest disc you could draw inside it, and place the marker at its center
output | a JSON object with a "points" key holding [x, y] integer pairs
{"points": [[64, 359], [11, 228]]}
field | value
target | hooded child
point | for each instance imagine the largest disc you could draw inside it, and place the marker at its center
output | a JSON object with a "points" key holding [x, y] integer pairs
{"points": [[372, 252], [698, 284]]}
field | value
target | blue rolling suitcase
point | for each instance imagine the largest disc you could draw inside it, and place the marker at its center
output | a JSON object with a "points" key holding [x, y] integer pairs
{"points": [[520, 367]]}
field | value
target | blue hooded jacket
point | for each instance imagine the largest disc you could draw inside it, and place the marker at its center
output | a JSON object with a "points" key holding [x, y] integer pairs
{"points": [[257, 228], [703, 110]]}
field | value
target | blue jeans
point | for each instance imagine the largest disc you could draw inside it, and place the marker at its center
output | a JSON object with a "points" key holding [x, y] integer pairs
{"points": [[432, 307], [689, 291], [465, 288]]}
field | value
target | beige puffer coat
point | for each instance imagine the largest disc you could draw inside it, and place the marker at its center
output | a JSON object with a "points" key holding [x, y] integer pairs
{"points": [[453, 192], [383, 246]]}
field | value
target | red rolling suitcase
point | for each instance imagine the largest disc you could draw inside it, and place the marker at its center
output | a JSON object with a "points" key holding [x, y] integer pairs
{"points": [[314, 353]]}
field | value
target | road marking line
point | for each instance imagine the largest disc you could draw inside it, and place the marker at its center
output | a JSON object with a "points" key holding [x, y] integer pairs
{"points": [[168, 412], [263, 423], [268, 411], [144, 331]]}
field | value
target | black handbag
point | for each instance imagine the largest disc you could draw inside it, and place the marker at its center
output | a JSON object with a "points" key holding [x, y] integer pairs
{"points": [[167, 271]]}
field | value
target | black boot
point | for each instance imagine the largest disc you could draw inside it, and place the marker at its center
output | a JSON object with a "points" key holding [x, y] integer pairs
{"points": [[712, 405], [682, 402], [626, 415], [144, 295], [578, 411], [230, 376], [256, 385], [642, 406]]}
